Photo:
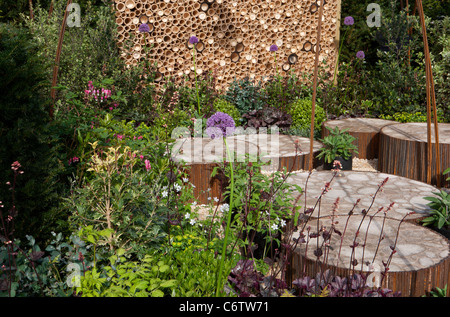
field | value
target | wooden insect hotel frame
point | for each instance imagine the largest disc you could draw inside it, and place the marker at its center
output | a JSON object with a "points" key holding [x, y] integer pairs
{"points": [[234, 36]]}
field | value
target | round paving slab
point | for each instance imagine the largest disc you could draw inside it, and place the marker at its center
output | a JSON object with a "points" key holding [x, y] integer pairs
{"points": [[201, 155], [404, 151], [349, 186], [283, 151], [365, 130], [419, 263]]}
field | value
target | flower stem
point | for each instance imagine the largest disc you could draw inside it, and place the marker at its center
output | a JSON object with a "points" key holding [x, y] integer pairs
{"points": [[227, 230], [337, 58], [196, 87]]}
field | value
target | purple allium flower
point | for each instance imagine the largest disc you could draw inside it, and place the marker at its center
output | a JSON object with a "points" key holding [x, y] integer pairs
{"points": [[349, 20], [193, 40], [220, 124], [273, 48], [144, 28], [360, 55]]}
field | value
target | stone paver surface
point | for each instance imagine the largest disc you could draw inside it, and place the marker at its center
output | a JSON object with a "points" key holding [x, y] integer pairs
{"points": [[406, 194], [416, 247]]}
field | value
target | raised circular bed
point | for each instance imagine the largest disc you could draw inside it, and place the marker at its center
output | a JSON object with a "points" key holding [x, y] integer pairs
{"points": [[420, 262], [404, 151], [201, 155], [365, 130], [349, 186]]}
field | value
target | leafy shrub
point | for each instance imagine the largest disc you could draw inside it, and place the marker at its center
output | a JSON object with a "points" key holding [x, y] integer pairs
{"points": [[27, 135], [440, 214], [222, 105], [123, 194], [183, 273], [268, 117], [301, 110], [406, 117], [245, 95], [282, 91], [262, 205]]}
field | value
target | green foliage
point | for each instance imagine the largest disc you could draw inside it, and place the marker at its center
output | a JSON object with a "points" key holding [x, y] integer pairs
{"points": [[246, 95], [38, 272], [281, 91], [28, 136], [301, 110], [90, 52], [261, 203], [439, 214], [337, 143], [145, 278], [439, 42], [438, 292], [184, 273], [227, 107], [122, 194], [207, 93], [405, 117], [447, 171]]}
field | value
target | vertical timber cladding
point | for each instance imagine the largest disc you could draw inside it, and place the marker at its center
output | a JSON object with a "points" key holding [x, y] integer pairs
{"points": [[234, 36]]}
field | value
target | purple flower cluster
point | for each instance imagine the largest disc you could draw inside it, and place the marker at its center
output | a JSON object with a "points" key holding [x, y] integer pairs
{"points": [[220, 124], [349, 20], [360, 55], [144, 28], [193, 40], [273, 48]]}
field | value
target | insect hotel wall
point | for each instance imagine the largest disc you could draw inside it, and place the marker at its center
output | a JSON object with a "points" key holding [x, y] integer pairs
{"points": [[234, 36]]}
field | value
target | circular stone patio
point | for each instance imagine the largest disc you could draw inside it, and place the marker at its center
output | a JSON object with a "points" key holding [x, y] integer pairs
{"points": [[420, 262], [406, 194], [201, 155]]}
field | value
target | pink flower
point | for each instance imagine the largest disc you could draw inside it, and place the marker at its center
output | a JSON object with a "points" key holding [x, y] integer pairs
{"points": [[147, 165], [140, 137], [120, 137], [141, 157]]}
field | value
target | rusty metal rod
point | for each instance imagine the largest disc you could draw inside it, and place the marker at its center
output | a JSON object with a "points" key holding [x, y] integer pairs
{"points": [[431, 99], [313, 107]]}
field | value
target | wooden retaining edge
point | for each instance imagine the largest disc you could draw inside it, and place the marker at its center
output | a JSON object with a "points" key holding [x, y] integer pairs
{"points": [[206, 186], [409, 157], [410, 284], [415, 283]]}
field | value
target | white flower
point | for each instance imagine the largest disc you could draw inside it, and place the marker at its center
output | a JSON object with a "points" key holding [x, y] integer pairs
{"points": [[192, 222], [177, 187], [224, 208], [185, 179], [164, 193], [186, 216], [274, 227], [216, 199], [282, 222], [194, 204], [209, 198]]}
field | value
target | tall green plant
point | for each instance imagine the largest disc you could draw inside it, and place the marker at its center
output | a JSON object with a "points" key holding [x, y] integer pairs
{"points": [[27, 135]]}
